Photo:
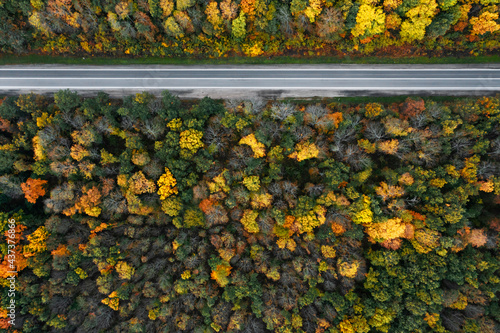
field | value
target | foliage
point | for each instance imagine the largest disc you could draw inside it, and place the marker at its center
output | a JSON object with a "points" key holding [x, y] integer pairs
{"points": [[257, 147], [33, 189], [304, 151], [166, 185], [184, 28], [191, 216]]}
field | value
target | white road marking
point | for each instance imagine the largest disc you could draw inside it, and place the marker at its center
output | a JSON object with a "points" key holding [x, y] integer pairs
{"points": [[247, 69], [262, 87], [247, 78]]}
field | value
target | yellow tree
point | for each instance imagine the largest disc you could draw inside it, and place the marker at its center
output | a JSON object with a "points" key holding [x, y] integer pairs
{"points": [[389, 191], [166, 185], [248, 221], [214, 15], [389, 147], [167, 6], [37, 242], [486, 22], [248, 7], [390, 229], [369, 21], [304, 151], [313, 10], [257, 147], [418, 19]]}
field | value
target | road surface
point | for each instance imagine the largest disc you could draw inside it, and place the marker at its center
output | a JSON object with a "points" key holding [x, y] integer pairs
{"points": [[269, 81]]}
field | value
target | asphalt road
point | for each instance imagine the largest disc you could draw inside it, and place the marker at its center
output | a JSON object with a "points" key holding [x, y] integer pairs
{"points": [[233, 81]]}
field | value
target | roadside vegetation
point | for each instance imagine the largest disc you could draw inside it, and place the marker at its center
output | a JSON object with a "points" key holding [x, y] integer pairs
{"points": [[159, 215], [204, 29]]}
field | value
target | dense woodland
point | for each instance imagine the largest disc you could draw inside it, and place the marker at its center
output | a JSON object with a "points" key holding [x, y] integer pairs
{"points": [[249, 27], [159, 215]]}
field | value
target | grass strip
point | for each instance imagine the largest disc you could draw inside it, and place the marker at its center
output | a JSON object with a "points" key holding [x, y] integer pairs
{"points": [[46, 59]]}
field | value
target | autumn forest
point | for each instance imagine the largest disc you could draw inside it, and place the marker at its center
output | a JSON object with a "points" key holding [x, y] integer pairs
{"points": [[152, 214], [249, 27]]}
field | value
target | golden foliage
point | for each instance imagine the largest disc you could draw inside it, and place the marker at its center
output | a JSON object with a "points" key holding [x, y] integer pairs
{"points": [[257, 147], [390, 229], [389, 147], [289, 243], [173, 28], [389, 191], [175, 124], [213, 14], [370, 21], [397, 127], [406, 179], [112, 302], [166, 185], [348, 269], [167, 6], [171, 206], [419, 18], [191, 140], [328, 251], [87, 203], [469, 172], [37, 242], [253, 49], [261, 200], [373, 110], [487, 186], [139, 184], [86, 168], [313, 10], [248, 221], [186, 275], [312, 219], [219, 183], [38, 150], [273, 274], [304, 151], [108, 158], [389, 5], [392, 21], [357, 324], [365, 215], [437, 182], [78, 152], [431, 319], [248, 7], [124, 270], [486, 22]]}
